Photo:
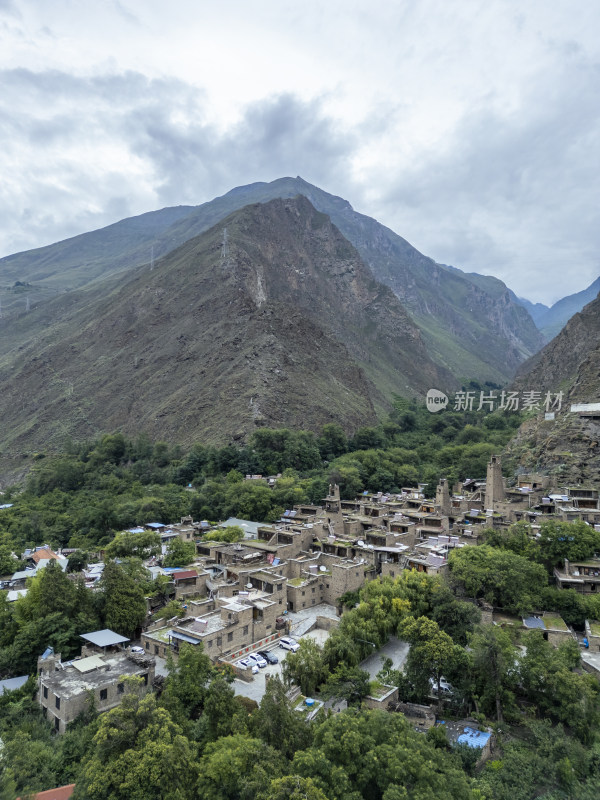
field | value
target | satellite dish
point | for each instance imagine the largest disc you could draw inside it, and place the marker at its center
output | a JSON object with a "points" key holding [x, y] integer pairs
{"points": [[248, 586]]}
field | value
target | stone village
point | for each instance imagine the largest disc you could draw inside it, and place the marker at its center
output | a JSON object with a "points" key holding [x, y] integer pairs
{"points": [[243, 597]]}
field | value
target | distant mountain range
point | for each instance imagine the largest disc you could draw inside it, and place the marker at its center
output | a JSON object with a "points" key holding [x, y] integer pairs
{"points": [[551, 320]]}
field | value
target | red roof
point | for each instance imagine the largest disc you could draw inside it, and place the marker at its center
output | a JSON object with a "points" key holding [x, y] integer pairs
{"points": [[62, 793], [185, 573], [43, 553]]}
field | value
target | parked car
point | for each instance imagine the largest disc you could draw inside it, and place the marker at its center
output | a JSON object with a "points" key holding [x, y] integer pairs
{"points": [[445, 687], [257, 659], [289, 644], [268, 656], [244, 663], [137, 649]]}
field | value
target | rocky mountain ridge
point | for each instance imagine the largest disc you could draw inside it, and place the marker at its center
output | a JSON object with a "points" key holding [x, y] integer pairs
{"points": [[269, 318]]}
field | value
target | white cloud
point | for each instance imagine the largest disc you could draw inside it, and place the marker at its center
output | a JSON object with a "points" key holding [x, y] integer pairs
{"points": [[472, 130]]}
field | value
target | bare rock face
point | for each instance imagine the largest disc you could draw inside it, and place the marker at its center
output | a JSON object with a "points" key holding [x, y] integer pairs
{"points": [[269, 318], [569, 446]]}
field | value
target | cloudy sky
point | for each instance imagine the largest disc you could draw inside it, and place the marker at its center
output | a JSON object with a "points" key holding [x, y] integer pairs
{"points": [[471, 128]]}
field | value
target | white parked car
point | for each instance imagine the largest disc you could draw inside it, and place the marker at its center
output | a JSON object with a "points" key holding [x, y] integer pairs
{"points": [[258, 660], [137, 649], [289, 644], [244, 663], [445, 687]]}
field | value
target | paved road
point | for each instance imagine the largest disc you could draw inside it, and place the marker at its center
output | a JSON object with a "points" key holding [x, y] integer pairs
{"points": [[394, 649]]}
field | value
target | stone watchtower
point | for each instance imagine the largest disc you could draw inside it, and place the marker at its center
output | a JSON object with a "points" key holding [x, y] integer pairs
{"points": [[442, 497], [494, 483]]}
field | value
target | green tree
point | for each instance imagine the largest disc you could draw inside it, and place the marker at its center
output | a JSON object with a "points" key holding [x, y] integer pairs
{"points": [[179, 553], [236, 767], [8, 564], [495, 668], [504, 579], [348, 683], [332, 442], [186, 686], [575, 541], [432, 651], [306, 667], [222, 714], [293, 787], [376, 755], [136, 545], [455, 617], [139, 753], [276, 722], [48, 592], [123, 601]]}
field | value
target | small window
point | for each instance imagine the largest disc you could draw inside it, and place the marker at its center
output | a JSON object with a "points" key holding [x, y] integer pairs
{"points": [[230, 637], [120, 688], [57, 702], [327, 586], [245, 630], [303, 593], [156, 649], [46, 692], [210, 643], [313, 591], [147, 645], [103, 694], [219, 641], [56, 723], [279, 587]]}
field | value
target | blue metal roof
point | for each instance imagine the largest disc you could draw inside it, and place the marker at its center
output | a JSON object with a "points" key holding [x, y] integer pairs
{"points": [[184, 638], [474, 738], [534, 622]]}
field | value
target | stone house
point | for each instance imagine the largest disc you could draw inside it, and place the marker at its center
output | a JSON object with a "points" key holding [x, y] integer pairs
{"points": [[64, 689]]}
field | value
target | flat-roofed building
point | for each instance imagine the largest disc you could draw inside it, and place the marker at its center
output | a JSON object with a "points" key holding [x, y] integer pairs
{"points": [[65, 688]]}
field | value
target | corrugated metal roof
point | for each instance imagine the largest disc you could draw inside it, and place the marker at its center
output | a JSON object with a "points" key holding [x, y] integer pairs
{"points": [[104, 638], [88, 664], [474, 738], [534, 622], [184, 573], [11, 684], [182, 637]]}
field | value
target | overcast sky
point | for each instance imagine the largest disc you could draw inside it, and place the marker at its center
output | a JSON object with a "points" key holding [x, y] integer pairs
{"points": [[471, 128]]}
